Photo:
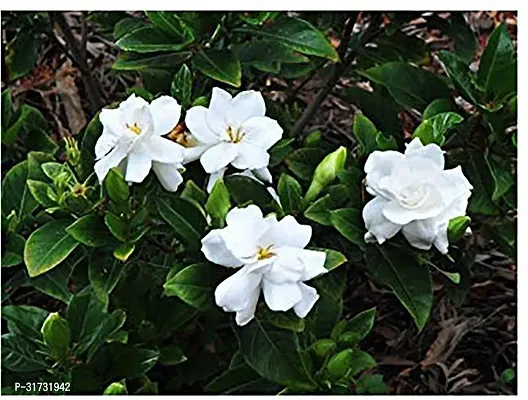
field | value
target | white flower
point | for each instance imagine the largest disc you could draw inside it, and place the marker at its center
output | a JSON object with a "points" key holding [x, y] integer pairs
{"points": [[272, 256], [414, 194], [132, 140], [232, 131]]}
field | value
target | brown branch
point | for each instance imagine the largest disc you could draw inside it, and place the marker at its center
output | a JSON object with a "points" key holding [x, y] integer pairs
{"points": [[76, 55]]}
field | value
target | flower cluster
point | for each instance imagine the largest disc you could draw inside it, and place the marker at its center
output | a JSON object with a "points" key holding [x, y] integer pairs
{"points": [[413, 193]]}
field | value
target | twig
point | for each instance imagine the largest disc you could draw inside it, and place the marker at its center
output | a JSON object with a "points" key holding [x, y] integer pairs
{"points": [[338, 70], [92, 88]]}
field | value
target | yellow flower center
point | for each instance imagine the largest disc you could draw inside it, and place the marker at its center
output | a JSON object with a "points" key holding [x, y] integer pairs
{"points": [[134, 128], [235, 137], [264, 253]]}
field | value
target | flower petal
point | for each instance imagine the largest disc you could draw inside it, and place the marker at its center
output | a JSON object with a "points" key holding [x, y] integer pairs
{"points": [[244, 228], [244, 106], [215, 250], [236, 293], [281, 297], [166, 113], [376, 223], [214, 177], [453, 184], [441, 240], [169, 175], [139, 164], [313, 263], [218, 156], [308, 300], [421, 233], [263, 174], [164, 150], [109, 161], [431, 152], [263, 132], [250, 157], [196, 122], [191, 154], [287, 233], [219, 107], [246, 315], [430, 206], [379, 165], [106, 142]]}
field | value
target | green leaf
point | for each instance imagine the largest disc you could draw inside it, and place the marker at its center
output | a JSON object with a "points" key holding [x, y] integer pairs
{"points": [[171, 355], [434, 130], [267, 51], [410, 281], [234, 380], [24, 320], [148, 40], [28, 119], [127, 25], [116, 226], [124, 251], [297, 34], [290, 194], [384, 143], [195, 284], [39, 190], [21, 355], [479, 175], [116, 186], [438, 106], [171, 24], [275, 354], [7, 109], [500, 171], [349, 223], [333, 259], [56, 334], [371, 384], [320, 210], [497, 73], [127, 361], [244, 190], [90, 322], [22, 53], [15, 192], [377, 106], [186, 220], [324, 347], [220, 65], [284, 320], [143, 62], [457, 228], [114, 389], [302, 162], [104, 272], [54, 283], [411, 87], [326, 172], [366, 133], [348, 362], [181, 87], [192, 192], [507, 376], [89, 230], [460, 75], [218, 203], [47, 247], [14, 253], [358, 327]]}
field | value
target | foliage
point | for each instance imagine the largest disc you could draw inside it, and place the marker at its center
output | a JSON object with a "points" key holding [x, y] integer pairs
{"points": [[136, 310]]}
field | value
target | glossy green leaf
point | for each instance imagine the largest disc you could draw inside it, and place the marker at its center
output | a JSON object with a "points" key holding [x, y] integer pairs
{"points": [[195, 284], [14, 253], [371, 384], [142, 61], [148, 40], [297, 34], [358, 327], [116, 226], [434, 130], [275, 354], [114, 389], [218, 203], [170, 23], [348, 362], [15, 192], [411, 87], [349, 223], [438, 106], [89, 230], [290, 194], [333, 259], [20, 354], [244, 190], [171, 355], [460, 75], [116, 186], [128, 361], [124, 251], [186, 220], [127, 25], [220, 65], [366, 133], [24, 320], [47, 247], [193, 192], [302, 162], [104, 272], [181, 87], [410, 281], [22, 53]]}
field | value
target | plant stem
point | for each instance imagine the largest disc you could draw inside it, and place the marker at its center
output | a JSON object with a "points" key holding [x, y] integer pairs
{"points": [[338, 69], [76, 54]]}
